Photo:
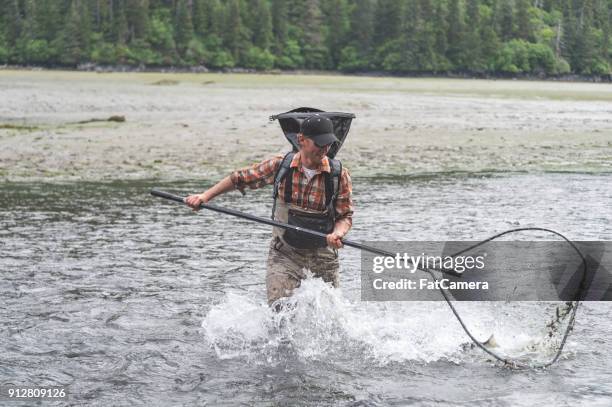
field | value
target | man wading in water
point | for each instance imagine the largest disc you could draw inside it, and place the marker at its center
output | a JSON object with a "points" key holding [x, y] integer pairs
{"points": [[312, 191]]}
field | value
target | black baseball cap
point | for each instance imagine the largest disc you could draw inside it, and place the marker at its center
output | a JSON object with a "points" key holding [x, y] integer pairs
{"points": [[320, 129]]}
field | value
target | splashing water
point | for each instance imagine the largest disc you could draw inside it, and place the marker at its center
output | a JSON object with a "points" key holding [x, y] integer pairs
{"points": [[318, 323]]}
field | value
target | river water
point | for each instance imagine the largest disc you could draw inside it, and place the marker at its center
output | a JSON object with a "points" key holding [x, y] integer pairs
{"points": [[126, 299]]}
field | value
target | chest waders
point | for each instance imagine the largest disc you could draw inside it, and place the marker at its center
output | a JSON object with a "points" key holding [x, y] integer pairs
{"points": [[286, 211]]}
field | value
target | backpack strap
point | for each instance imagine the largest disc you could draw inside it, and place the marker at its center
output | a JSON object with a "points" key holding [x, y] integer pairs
{"points": [[332, 185], [283, 169]]}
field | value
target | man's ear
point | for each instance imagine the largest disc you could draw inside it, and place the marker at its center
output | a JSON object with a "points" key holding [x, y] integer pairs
{"points": [[300, 138]]}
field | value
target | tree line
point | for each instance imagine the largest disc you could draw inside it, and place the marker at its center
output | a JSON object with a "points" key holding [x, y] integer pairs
{"points": [[549, 37]]}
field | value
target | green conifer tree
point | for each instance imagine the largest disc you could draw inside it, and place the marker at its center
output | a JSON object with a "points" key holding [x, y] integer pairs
{"points": [[183, 27], [13, 23], [219, 16], [603, 17], [489, 41], [338, 25], [569, 35], [362, 25], [505, 20], [48, 19], [387, 21], [310, 23], [137, 13], [200, 17], [424, 36], [235, 39], [360, 38], [262, 29], [74, 37], [472, 46], [455, 35], [440, 27], [585, 47], [523, 24], [121, 30], [280, 26]]}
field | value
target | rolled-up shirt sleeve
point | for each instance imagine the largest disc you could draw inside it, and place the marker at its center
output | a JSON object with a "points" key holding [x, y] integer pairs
{"points": [[257, 175], [344, 203]]}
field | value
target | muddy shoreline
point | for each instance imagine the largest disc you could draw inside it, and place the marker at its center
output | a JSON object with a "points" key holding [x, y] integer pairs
{"points": [[195, 126]]}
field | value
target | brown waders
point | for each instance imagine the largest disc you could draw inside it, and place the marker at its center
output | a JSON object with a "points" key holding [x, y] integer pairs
{"points": [[286, 266], [286, 263]]}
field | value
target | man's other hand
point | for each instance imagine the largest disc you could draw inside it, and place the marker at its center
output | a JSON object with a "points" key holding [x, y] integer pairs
{"points": [[194, 201], [334, 240]]}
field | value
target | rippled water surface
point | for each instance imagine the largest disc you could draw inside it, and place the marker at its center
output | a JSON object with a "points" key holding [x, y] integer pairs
{"points": [[130, 300]]}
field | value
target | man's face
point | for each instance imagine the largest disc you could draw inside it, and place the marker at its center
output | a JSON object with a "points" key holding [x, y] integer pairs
{"points": [[310, 150]]}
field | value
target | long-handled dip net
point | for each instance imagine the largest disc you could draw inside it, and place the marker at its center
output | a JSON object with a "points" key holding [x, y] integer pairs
{"points": [[575, 284]]}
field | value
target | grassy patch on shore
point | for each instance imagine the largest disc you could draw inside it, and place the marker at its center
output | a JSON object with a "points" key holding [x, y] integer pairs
{"points": [[166, 82], [11, 126], [521, 89]]}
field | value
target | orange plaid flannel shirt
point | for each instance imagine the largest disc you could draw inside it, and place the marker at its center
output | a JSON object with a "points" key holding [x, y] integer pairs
{"points": [[306, 194]]}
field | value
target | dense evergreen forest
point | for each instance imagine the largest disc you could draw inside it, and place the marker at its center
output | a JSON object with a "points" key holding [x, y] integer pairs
{"points": [[538, 37]]}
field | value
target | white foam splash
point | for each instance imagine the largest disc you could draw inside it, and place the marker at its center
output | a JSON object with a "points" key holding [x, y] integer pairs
{"points": [[318, 323]]}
